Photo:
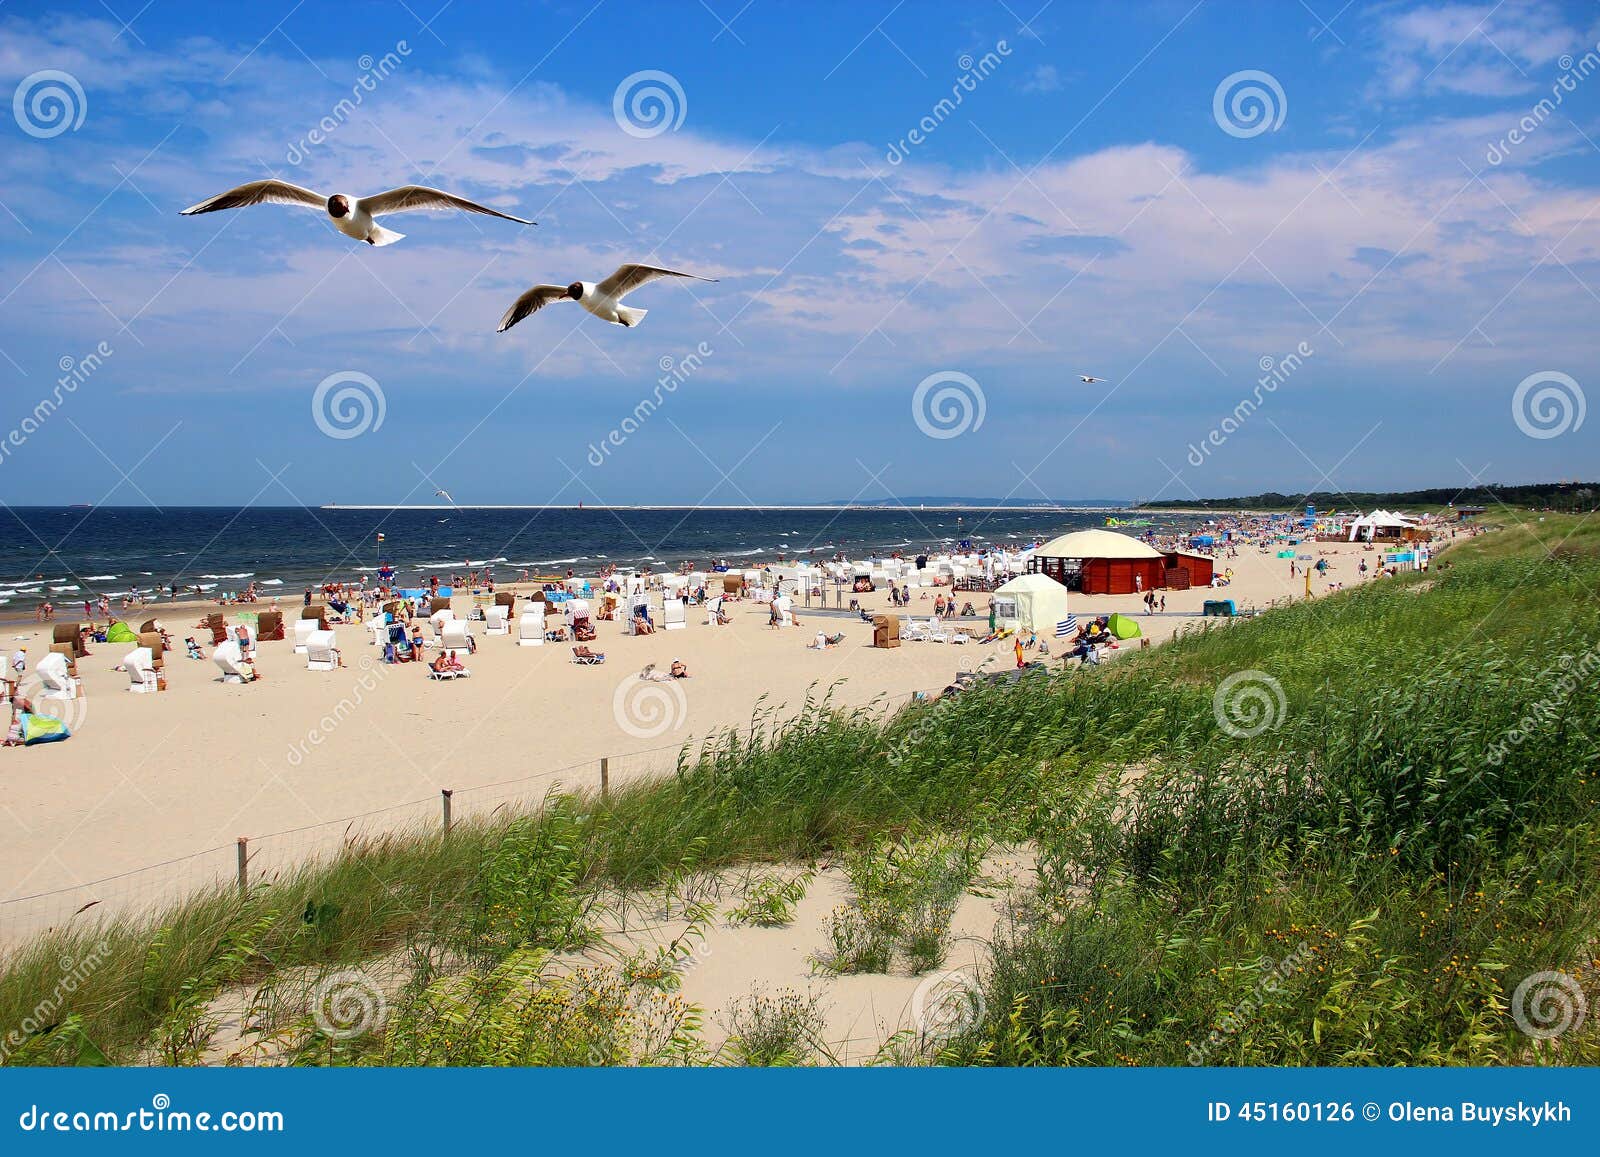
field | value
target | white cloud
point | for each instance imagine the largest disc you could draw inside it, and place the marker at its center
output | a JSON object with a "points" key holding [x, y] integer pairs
{"points": [[1485, 50], [1042, 78]]}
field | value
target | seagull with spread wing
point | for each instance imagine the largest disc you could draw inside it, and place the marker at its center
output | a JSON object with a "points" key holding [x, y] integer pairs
{"points": [[603, 299], [352, 216], [1088, 381]]}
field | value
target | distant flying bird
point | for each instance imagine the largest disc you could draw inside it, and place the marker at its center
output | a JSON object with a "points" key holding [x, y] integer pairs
{"points": [[445, 494], [352, 216], [1088, 380], [603, 300]]}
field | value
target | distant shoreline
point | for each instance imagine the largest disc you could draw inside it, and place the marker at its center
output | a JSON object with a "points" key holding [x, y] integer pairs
{"points": [[823, 506]]}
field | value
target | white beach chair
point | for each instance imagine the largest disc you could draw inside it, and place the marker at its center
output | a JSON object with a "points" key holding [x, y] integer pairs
{"points": [[55, 679], [714, 612], [630, 622], [140, 666], [457, 637], [447, 674], [497, 620], [914, 631], [530, 628], [234, 669], [303, 630], [438, 619], [936, 632], [322, 651], [672, 615], [379, 630]]}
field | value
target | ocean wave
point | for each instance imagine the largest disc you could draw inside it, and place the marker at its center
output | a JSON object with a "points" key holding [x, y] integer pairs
{"points": [[100, 578], [240, 575], [65, 589], [270, 583]]}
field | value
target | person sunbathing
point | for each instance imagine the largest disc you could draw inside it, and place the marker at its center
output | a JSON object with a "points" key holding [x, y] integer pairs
{"points": [[19, 707], [678, 670], [453, 663], [440, 664], [193, 648], [641, 622], [823, 641]]}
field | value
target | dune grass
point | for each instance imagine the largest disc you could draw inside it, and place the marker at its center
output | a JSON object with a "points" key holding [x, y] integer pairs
{"points": [[1330, 866]]}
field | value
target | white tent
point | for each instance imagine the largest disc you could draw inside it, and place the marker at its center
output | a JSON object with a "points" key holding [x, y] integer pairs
{"points": [[1031, 602], [1378, 522]]}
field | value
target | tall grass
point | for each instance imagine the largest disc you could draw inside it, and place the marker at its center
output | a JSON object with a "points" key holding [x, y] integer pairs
{"points": [[1205, 858]]}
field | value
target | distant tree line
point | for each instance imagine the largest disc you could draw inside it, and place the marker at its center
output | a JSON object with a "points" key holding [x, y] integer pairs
{"points": [[1568, 496]]}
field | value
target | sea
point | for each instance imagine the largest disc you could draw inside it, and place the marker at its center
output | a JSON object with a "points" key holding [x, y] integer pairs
{"points": [[67, 554]]}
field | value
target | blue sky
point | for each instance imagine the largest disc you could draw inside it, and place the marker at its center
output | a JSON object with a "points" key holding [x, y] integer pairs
{"points": [[1097, 203]]}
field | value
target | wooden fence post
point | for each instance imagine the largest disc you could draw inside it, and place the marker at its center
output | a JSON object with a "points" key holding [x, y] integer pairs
{"points": [[605, 777], [444, 796], [244, 866]]}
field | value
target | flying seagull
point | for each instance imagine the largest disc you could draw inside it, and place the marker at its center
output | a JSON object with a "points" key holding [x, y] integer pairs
{"points": [[604, 300], [445, 494], [1086, 380], [352, 216]]}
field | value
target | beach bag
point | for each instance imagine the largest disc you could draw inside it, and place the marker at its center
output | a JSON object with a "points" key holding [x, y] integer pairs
{"points": [[42, 729]]}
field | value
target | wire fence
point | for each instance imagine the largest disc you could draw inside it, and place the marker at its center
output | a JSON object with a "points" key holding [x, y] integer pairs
{"points": [[255, 860]]}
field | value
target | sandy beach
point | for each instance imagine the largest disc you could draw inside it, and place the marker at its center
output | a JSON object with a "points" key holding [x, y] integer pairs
{"points": [[288, 760]]}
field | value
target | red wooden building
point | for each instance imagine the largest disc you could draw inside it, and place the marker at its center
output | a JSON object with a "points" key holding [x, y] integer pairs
{"points": [[1101, 562], [1185, 570]]}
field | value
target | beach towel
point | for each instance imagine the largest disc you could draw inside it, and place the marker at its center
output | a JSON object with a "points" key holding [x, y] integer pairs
{"points": [[42, 729], [1067, 626]]}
